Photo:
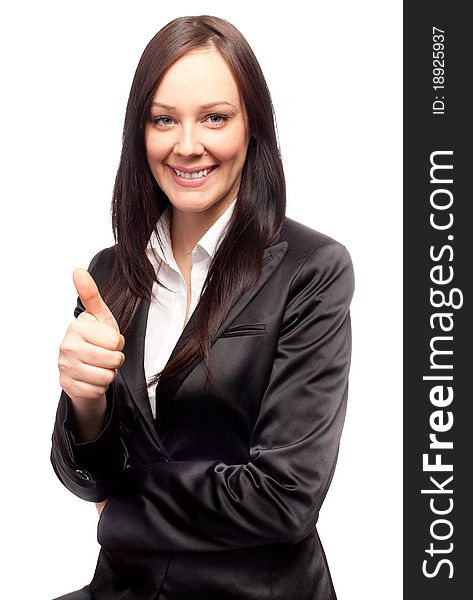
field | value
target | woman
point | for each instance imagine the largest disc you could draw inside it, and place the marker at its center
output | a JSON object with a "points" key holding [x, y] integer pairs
{"points": [[205, 375]]}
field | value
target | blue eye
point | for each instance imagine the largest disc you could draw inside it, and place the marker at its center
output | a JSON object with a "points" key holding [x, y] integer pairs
{"points": [[162, 120], [217, 119]]}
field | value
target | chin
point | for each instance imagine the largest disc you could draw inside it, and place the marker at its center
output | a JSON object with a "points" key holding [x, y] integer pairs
{"points": [[190, 204]]}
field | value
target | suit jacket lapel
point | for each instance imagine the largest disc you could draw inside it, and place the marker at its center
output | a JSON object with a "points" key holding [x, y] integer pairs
{"points": [[272, 256], [132, 370]]}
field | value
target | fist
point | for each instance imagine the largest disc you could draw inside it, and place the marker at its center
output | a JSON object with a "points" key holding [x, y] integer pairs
{"points": [[90, 352]]}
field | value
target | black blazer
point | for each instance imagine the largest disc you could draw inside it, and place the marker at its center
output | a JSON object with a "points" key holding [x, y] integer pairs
{"points": [[219, 498]]}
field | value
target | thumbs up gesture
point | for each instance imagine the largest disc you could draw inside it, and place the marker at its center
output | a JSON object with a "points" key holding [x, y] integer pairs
{"points": [[89, 355], [89, 294]]}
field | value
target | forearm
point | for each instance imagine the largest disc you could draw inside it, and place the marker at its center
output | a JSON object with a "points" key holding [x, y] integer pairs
{"points": [[88, 469], [205, 505]]}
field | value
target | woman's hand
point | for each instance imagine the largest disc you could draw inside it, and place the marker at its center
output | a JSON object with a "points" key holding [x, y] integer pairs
{"points": [[89, 355], [100, 506]]}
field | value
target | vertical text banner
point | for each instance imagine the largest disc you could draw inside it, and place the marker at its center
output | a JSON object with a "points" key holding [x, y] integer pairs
{"points": [[438, 309]]}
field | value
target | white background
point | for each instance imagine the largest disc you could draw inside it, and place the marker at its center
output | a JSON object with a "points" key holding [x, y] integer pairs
{"points": [[334, 71]]}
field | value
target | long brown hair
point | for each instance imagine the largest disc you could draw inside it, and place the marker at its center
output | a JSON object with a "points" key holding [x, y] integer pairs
{"points": [[138, 201]]}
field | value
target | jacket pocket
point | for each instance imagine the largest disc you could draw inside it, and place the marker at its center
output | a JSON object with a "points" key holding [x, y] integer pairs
{"points": [[246, 329]]}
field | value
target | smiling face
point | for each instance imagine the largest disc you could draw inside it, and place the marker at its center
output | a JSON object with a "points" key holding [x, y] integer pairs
{"points": [[196, 137]]}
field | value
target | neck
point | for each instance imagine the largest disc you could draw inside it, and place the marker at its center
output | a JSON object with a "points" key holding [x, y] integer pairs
{"points": [[187, 228]]}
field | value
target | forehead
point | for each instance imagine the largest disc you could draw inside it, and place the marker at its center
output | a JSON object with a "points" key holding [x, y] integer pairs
{"points": [[200, 76]]}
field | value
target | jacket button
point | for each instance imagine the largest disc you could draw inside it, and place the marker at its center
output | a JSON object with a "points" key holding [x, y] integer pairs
{"points": [[84, 474]]}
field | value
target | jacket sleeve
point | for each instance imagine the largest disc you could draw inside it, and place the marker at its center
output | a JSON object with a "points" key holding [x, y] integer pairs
{"points": [[275, 497], [89, 469]]}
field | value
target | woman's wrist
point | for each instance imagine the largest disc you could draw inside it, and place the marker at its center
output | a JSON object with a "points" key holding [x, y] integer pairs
{"points": [[89, 416]]}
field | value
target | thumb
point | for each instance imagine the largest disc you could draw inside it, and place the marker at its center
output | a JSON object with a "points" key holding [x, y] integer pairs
{"points": [[91, 299]]}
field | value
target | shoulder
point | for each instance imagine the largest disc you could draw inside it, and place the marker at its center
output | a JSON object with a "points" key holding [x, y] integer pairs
{"points": [[102, 259], [102, 264], [317, 266], [309, 249]]}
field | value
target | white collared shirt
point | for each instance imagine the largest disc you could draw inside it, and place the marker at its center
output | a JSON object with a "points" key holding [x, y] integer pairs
{"points": [[167, 309]]}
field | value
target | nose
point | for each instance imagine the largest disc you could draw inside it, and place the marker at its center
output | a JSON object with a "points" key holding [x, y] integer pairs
{"points": [[188, 142]]}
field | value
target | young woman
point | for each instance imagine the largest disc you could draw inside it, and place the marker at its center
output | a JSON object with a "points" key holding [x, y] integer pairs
{"points": [[205, 375]]}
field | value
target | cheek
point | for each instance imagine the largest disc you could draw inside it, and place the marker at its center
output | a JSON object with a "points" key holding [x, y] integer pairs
{"points": [[155, 149], [232, 148]]}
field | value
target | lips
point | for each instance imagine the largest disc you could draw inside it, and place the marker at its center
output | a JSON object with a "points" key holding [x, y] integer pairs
{"points": [[192, 177], [192, 174]]}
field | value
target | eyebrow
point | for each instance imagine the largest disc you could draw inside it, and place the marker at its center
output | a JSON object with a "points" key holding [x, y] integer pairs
{"points": [[203, 106]]}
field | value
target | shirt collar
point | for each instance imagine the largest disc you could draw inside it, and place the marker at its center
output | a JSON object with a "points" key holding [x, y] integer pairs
{"points": [[208, 242]]}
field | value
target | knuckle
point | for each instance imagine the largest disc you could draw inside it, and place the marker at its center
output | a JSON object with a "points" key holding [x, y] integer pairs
{"points": [[95, 392], [122, 342], [65, 342], [84, 316], [66, 347], [118, 360], [75, 326], [70, 351], [116, 340], [62, 364]]}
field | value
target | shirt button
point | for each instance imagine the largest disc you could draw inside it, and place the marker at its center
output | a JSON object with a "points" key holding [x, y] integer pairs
{"points": [[84, 474]]}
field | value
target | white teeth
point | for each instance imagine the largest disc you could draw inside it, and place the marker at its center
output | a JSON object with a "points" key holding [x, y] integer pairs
{"points": [[195, 175]]}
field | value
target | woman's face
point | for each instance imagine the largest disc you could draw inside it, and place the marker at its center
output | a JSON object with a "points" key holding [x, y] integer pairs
{"points": [[197, 137]]}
